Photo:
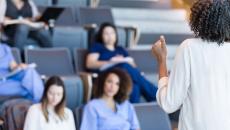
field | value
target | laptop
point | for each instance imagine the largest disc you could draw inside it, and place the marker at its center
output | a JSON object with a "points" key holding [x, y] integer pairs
{"points": [[51, 13]]}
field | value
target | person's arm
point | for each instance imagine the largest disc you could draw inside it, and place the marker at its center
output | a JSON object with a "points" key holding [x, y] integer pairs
{"points": [[12, 63], [9, 21], [35, 11], [92, 61], [26, 21], [89, 119], [36, 16], [3, 10], [172, 91], [159, 50]]}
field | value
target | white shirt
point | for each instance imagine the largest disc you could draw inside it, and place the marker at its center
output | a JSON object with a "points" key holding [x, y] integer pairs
{"points": [[35, 120], [199, 84]]}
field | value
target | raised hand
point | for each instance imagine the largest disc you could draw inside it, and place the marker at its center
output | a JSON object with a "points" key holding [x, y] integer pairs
{"points": [[159, 49]]}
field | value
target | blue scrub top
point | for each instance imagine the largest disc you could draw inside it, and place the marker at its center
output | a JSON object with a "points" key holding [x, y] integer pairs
{"points": [[6, 58], [98, 116], [106, 54]]}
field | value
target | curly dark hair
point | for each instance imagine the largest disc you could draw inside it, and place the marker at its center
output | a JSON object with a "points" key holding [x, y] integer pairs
{"points": [[210, 20], [124, 87]]}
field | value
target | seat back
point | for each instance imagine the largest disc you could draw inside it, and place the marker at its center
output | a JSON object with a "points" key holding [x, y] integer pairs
{"points": [[14, 113], [74, 3], [144, 60], [151, 4], [97, 16], [152, 117], [42, 2], [74, 91], [67, 17], [51, 61], [87, 15], [70, 37], [80, 59]]}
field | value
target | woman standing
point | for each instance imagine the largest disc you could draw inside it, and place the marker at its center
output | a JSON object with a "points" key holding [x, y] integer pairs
{"points": [[199, 83]]}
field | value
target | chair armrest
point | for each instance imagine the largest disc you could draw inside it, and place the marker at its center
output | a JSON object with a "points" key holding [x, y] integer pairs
{"points": [[1, 26], [128, 27], [87, 80], [135, 34], [90, 26]]}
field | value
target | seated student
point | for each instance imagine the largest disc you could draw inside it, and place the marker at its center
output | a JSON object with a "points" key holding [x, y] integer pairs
{"points": [[110, 110], [51, 113], [26, 83], [106, 51], [19, 20]]}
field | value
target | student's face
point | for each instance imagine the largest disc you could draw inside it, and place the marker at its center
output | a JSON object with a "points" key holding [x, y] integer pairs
{"points": [[55, 95], [109, 35], [111, 85]]}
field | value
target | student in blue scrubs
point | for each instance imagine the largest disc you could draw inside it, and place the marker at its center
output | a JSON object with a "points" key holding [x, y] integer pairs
{"points": [[106, 51], [110, 109], [26, 83]]}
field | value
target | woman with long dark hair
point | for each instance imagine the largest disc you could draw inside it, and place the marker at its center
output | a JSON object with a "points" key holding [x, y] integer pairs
{"points": [[106, 52], [51, 113]]}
